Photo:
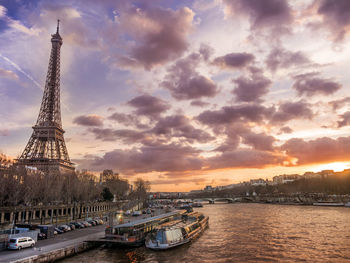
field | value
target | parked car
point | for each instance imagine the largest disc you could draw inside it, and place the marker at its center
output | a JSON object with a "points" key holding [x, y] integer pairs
{"points": [[41, 236], [127, 212], [77, 225], [20, 242], [64, 228], [92, 222], [81, 225], [136, 213], [86, 224], [72, 226], [59, 231]]}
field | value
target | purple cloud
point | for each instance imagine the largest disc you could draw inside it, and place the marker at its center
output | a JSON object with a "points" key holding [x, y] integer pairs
{"points": [[127, 120], [309, 84], [320, 150], [125, 135], [155, 158], [259, 141], [281, 58], [251, 89], [89, 120], [230, 114], [199, 103], [149, 106], [286, 129], [292, 110], [345, 121], [336, 104], [262, 14], [160, 34], [234, 60], [184, 83], [244, 158], [180, 126], [336, 17], [206, 51]]}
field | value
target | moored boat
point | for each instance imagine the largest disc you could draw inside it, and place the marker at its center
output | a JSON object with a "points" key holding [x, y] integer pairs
{"points": [[133, 233], [178, 232]]}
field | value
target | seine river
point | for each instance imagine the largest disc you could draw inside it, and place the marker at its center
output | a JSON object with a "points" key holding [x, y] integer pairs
{"points": [[252, 233]]}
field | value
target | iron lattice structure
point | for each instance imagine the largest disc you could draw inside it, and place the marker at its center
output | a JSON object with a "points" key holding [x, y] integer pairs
{"points": [[46, 148]]}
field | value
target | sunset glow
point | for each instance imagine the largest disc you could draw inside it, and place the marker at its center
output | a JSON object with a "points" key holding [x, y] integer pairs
{"points": [[336, 167]]}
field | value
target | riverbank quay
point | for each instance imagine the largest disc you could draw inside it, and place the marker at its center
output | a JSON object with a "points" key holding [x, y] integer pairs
{"points": [[278, 198], [64, 245], [52, 249]]}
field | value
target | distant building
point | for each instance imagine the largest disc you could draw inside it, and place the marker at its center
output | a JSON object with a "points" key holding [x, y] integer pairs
{"points": [[208, 188], [256, 182], [196, 191], [285, 178]]}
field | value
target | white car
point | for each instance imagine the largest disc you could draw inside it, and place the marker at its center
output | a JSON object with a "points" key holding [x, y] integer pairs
{"points": [[20, 242], [136, 213], [127, 213]]}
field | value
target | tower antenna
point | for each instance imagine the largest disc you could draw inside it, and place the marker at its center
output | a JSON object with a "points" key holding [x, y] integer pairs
{"points": [[58, 25]]}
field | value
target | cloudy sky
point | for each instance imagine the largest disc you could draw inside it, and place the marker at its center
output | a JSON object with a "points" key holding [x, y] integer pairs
{"points": [[184, 93]]}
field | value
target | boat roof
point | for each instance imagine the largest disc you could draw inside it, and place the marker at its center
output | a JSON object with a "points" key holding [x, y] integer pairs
{"points": [[180, 223], [151, 219]]}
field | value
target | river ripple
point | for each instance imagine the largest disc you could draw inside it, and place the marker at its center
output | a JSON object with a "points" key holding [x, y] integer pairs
{"points": [[252, 233]]}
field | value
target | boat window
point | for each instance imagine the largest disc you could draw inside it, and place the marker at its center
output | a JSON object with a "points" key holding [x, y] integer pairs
{"points": [[169, 236], [161, 237], [125, 230]]}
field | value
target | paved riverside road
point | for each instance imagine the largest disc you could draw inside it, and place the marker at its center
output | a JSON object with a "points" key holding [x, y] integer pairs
{"points": [[65, 240], [59, 241]]}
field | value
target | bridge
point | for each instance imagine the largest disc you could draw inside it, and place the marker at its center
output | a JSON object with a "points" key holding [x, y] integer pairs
{"points": [[212, 200]]}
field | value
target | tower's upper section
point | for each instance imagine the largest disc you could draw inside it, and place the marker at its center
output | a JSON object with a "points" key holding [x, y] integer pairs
{"points": [[50, 112], [56, 37]]}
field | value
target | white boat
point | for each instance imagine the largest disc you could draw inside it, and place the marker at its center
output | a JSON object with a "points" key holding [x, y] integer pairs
{"points": [[178, 232]]}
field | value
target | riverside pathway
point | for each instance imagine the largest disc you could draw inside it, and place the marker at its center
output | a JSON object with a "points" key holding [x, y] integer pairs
{"points": [[63, 240], [60, 241]]}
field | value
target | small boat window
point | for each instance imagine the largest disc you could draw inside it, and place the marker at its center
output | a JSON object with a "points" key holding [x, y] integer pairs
{"points": [[161, 237]]}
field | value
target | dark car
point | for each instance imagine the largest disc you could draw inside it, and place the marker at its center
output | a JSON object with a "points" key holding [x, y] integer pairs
{"points": [[59, 231], [77, 225], [81, 225], [92, 222], [41, 236], [72, 226]]}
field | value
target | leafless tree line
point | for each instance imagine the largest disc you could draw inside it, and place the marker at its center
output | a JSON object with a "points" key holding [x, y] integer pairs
{"points": [[20, 186]]}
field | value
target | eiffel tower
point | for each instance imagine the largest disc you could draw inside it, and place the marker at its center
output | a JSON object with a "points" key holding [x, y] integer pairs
{"points": [[46, 149]]}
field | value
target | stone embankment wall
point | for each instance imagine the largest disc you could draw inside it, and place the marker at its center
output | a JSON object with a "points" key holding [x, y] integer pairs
{"points": [[300, 199], [55, 255]]}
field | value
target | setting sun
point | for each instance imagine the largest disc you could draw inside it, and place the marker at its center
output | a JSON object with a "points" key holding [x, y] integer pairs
{"points": [[336, 166]]}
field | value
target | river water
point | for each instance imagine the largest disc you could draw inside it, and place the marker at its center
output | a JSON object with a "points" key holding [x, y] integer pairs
{"points": [[252, 233]]}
